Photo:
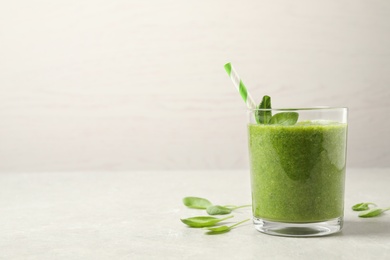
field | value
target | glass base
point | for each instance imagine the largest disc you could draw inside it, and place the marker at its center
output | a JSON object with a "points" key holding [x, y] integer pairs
{"points": [[314, 229]]}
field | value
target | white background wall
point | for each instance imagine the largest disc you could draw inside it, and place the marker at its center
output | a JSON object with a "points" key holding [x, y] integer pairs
{"points": [[130, 85]]}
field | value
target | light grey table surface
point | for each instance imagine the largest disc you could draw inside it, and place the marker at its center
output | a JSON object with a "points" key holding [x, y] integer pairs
{"points": [[135, 215]]}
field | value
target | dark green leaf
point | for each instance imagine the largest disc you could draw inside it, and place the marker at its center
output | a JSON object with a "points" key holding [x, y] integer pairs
{"points": [[284, 118], [203, 221], [196, 202], [218, 210], [263, 116]]}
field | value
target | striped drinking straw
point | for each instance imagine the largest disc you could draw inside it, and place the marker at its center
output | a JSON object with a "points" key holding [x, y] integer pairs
{"points": [[240, 86]]}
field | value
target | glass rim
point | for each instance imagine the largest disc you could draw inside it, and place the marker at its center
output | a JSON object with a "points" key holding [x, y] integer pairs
{"points": [[298, 109]]}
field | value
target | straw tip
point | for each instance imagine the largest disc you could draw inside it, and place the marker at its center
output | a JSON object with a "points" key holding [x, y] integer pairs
{"points": [[228, 67]]}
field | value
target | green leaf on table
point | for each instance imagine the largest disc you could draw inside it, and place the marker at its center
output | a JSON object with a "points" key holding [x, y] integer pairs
{"points": [[218, 210], [362, 206], [284, 118], [372, 213], [263, 116], [203, 221], [223, 229], [196, 202], [223, 210]]}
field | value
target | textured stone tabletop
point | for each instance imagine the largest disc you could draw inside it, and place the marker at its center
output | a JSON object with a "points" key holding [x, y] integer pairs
{"points": [[135, 215]]}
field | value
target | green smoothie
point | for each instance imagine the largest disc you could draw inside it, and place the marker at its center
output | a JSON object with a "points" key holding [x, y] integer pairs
{"points": [[298, 171]]}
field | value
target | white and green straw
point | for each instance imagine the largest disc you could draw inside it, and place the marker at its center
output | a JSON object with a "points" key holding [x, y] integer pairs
{"points": [[240, 86]]}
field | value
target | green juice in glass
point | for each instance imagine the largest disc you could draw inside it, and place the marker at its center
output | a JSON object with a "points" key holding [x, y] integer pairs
{"points": [[298, 171]]}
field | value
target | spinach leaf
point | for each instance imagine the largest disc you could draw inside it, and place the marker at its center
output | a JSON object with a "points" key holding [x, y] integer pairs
{"points": [[263, 116], [203, 221], [284, 118], [196, 202]]}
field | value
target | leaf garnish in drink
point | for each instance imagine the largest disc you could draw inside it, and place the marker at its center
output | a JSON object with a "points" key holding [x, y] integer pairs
{"points": [[264, 116], [284, 118]]}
